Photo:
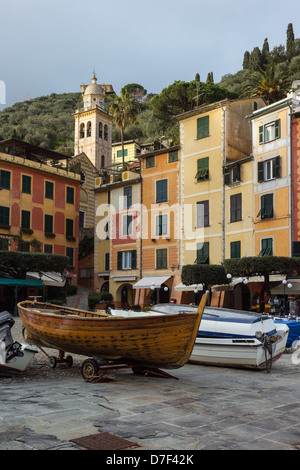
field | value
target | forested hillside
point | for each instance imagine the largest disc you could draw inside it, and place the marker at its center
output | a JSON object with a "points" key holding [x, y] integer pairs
{"points": [[48, 121]]}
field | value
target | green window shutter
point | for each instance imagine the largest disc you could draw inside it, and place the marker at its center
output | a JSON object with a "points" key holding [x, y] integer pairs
{"points": [[25, 219], [277, 167], [48, 249], [4, 215], [26, 184], [296, 249], [266, 247], [4, 179], [260, 172], [203, 127], [133, 259], [236, 207], [235, 249], [70, 255], [202, 253], [267, 206], [261, 134], [277, 128], [150, 162], [49, 223], [127, 197], [69, 227], [162, 190], [106, 262], [162, 258], [173, 156], [238, 172], [226, 176], [70, 195], [202, 168], [119, 260], [49, 189]]}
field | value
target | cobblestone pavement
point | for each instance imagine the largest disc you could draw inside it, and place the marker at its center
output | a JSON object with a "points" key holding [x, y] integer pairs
{"points": [[205, 408]]}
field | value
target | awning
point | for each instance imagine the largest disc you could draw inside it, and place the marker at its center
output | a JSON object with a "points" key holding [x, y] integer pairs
{"points": [[183, 288], [48, 279], [236, 280], [149, 281], [20, 282], [294, 290]]}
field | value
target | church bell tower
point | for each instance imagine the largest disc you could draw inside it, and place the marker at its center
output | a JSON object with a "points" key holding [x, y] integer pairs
{"points": [[93, 125]]}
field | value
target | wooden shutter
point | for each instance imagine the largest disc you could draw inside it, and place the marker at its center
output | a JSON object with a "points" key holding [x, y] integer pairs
{"points": [[277, 128], [267, 206], [162, 190], [261, 134], [235, 249], [48, 223], [260, 172], [119, 260], [296, 249], [4, 215], [133, 259], [25, 222], [202, 127], [277, 167], [236, 207], [227, 176]]}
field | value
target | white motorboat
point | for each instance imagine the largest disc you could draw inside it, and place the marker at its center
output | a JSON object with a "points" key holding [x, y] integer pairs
{"points": [[234, 338], [14, 356]]}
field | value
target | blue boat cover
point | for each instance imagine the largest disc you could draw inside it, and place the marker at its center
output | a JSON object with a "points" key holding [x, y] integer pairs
{"points": [[294, 333]]}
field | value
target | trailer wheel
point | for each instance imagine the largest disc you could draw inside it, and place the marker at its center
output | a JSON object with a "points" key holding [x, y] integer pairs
{"points": [[89, 368], [53, 362], [69, 361]]}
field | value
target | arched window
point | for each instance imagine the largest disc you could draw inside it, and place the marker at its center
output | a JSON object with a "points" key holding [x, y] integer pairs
{"points": [[89, 129], [102, 161], [100, 130], [105, 132], [82, 131]]}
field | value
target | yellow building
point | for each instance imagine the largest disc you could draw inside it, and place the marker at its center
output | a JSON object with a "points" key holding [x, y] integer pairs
{"points": [[272, 179], [132, 151], [216, 181]]}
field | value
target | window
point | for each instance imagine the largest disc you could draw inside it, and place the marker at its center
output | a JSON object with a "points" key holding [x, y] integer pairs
{"points": [[162, 258], [127, 197], [4, 244], [70, 255], [202, 253], [25, 219], [86, 273], [106, 262], [161, 225], [266, 204], [269, 132], [26, 184], [49, 189], [105, 132], [126, 260], [127, 225], [89, 129], [202, 214], [100, 130], [4, 179], [82, 131], [48, 249], [202, 169], [202, 127], [4, 216], [266, 247], [232, 174], [81, 219], [268, 170], [150, 162], [162, 190], [235, 249], [102, 161], [173, 156], [70, 195], [69, 227], [48, 223], [236, 207], [120, 153]]}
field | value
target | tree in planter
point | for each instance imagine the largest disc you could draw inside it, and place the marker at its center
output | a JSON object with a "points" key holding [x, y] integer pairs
{"points": [[262, 266], [16, 264], [206, 274]]}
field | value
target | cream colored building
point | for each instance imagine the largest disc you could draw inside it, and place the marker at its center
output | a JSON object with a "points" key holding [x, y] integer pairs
{"points": [[217, 182]]}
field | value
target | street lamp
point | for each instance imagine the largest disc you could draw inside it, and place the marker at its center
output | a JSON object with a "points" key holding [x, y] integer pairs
{"points": [[229, 277]]}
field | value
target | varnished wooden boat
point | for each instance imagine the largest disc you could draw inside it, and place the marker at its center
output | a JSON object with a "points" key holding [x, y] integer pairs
{"points": [[159, 340]]}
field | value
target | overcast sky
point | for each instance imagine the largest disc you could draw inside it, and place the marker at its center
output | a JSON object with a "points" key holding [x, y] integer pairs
{"points": [[53, 46]]}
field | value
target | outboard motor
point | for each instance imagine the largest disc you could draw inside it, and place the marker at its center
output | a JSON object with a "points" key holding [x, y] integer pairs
{"points": [[11, 347]]}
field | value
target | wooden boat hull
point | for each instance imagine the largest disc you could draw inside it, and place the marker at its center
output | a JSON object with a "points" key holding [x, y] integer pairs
{"points": [[164, 341]]}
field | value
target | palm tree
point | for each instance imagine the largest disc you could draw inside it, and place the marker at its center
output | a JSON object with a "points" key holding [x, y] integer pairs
{"points": [[270, 83], [124, 110]]}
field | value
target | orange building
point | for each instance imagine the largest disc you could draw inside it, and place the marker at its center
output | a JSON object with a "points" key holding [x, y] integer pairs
{"points": [[160, 227], [39, 203]]}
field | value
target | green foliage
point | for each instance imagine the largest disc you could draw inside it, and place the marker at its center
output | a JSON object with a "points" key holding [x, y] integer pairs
{"points": [[16, 264], [262, 265], [95, 298], [207, 274]]}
